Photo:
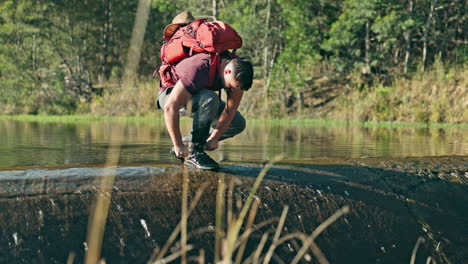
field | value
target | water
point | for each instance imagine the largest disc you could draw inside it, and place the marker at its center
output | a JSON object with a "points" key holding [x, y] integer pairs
{"points": [[51, 144]]}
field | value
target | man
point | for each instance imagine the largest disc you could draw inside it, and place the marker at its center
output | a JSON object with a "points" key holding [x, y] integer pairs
{"points": [[207, 109]]}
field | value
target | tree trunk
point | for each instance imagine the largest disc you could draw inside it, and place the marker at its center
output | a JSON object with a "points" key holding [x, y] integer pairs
{"points": [[105, 32], [366, 69], [215, 10], [34, 53], [407, 36], [266, 68], [270, 64], [426, 33]]}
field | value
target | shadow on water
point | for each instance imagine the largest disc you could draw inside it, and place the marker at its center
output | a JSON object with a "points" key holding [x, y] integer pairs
{"points": [[393, 202]]}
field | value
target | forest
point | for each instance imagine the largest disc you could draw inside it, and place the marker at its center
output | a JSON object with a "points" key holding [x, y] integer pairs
{"points": [[360, 60]]}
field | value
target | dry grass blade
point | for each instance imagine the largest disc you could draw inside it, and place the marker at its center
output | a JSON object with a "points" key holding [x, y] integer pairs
{"points": [[287, 237], [278, 259], [230, 202], [153, 256], [183, 220], [234, 231], [250, 220], [98, 217], [201, 258], [71, 258], [176, 231], [136, 43], [173, 257], [260, 247], [429, 260], [317, 231], [415, 249], [313, 247], [248, 232], [318, 254], [219, 217], [199, 231], [274, 244]]}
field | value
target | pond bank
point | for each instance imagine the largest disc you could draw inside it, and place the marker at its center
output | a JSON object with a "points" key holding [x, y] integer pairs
{"points": [[157, 118], [393, 202]]}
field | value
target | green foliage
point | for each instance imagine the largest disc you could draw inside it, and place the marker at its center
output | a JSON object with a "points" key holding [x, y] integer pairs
{"points": [[347, 34], [54, 52], [302, 35], [56, 55]]}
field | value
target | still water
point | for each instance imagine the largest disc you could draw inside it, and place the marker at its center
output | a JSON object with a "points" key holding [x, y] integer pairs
{"points": [[50, 144]]}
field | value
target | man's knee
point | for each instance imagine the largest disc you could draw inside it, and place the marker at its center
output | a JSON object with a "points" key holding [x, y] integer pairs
{"points": [[239, 123], [207, 100]]}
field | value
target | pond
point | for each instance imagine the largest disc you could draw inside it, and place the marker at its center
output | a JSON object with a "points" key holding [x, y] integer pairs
{"points": [[24, 143], [394, 202]]}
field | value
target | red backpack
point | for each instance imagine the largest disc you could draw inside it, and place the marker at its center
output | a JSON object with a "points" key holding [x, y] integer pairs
{"points": [[199, 36]]}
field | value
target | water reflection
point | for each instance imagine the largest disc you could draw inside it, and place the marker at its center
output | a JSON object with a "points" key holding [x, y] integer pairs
{"points": [[48, 144]]}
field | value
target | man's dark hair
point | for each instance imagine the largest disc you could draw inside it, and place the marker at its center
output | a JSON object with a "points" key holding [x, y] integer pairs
{"points": [[243, 73]]}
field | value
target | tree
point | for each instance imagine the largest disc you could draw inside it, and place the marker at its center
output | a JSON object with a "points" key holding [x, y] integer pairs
{"points": [[350, 36]]}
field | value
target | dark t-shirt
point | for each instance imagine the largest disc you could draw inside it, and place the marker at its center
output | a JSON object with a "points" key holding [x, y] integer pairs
{"points": [[194, 73]]}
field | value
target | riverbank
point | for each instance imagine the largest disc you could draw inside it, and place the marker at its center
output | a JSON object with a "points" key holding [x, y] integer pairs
{"points": [[438, 95], [277, 122], [437, 98], [393, 201]]}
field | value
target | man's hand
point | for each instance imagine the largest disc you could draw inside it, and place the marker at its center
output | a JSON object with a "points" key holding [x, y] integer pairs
{"points": [[181, 151], [211, 144]]}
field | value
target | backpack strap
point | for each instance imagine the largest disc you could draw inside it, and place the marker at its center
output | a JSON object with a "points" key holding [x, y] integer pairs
{"points": [[215, 62]]}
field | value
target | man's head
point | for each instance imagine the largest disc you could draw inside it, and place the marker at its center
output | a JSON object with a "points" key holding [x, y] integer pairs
{"points": [[238, 73]]}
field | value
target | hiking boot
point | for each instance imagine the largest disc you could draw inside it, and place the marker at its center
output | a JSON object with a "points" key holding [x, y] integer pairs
{"points": [[172, 152], [200, 160]]}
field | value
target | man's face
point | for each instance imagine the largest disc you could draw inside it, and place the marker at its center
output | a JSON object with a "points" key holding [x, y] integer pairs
{"points": [[230, 82]]}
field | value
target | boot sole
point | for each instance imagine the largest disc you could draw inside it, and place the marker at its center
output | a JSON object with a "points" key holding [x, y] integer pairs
{"points": [[198, 166]]}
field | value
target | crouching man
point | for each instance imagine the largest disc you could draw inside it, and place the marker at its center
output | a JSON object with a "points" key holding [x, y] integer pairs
{"points": [[213, 119]]}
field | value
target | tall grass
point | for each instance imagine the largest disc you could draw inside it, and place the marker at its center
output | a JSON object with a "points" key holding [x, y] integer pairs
{"points": [[232, 231], [137, 100], [98, 216], [439, 95]]}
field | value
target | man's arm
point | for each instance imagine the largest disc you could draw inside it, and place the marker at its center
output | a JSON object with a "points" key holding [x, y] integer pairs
{"points": [[177, 99], [234, 97]]}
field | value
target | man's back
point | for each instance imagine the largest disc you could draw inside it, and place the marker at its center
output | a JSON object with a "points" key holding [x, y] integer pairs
{"points": [[194, 73]]}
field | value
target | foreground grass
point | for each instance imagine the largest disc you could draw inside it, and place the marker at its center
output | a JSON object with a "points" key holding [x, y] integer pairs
{"points": [[253, 122]]}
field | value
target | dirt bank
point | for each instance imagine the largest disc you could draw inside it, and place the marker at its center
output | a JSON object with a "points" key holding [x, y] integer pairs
{"points": [[44, 212]]}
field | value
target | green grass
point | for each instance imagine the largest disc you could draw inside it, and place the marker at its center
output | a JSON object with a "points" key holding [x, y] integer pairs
{"points": [[367, 124], [81, 118], [252, 122]]}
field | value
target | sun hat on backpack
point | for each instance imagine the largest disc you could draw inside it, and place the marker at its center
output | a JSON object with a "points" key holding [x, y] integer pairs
{"points": [[181, 19]]}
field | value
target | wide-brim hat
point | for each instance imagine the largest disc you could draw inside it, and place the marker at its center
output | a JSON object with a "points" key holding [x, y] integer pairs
{"points": [[179, 20]]}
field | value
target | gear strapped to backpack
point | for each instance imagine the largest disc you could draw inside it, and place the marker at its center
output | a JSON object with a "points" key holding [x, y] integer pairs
{"points": [[214, 37]]}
